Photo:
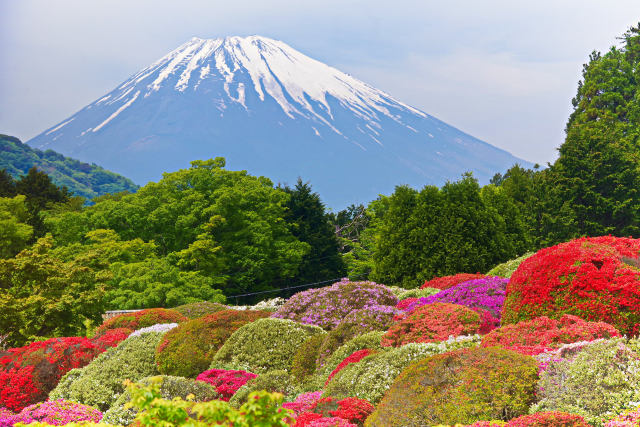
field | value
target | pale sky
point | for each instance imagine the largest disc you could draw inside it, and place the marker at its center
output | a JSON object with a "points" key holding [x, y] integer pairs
{"points": [[502, 71]]}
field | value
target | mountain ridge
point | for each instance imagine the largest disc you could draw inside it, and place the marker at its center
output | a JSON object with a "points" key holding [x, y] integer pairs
{"points": [[273, 111]]}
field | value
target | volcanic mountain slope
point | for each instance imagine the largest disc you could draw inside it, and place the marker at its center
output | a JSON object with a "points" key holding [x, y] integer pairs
{"points": [[273, 111]]}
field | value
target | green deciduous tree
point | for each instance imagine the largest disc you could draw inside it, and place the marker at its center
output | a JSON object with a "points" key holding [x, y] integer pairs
{"points": [[14, 231]]}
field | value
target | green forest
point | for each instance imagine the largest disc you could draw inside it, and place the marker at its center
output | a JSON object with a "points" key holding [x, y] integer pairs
{"points": [[208, 233]]}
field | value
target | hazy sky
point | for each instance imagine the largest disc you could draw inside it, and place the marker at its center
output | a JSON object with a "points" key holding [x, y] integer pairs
{"points": [[503, 71]]}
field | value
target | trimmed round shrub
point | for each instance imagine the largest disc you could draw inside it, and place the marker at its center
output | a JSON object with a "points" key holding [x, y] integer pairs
{"points": [[462, 386], [549, 419], [353, 358], [100, 383], [594, 278], [29, 373], [418, 293], [506, 269], [170, 388], [445, 282], [432, 323], [358, 322], [351, 409], [303, 402], [188, 349], [160, 328], [141, 319], [630, 418], [326, 307], [406, 303], [304, 361], [543, 334], [273, 381], [371, 377], [53, 412], [264, 345], [199, 309], [112, 337], [226, 382], [598, 380], [370, 340]]}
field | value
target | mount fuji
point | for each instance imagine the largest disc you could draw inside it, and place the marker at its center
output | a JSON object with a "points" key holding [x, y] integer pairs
{"points": [[273, 111]]}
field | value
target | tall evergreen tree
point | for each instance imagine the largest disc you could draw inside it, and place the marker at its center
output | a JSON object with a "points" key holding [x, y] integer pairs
{"points": [[311, 224], [7, 184]]}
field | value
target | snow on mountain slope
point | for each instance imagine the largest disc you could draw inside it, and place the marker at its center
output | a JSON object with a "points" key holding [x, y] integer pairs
{"points": [[271, 110]]}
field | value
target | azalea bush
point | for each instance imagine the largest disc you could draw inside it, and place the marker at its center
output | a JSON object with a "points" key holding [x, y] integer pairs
{"points": [[595, 278], [351, 410], [370, 340], [418, 293], [432, 323], [226, 382], [304, 360], [372, 376], [549, 419], [112, 337], [352, 358], [100, 383], [141, 319], [29, 373], [357, 322], [445, 282], [629, 418], [462, 386], [264, 345], [543, 334], [272, 304], [326, 307], [188, 349], [597, 380], [170, 387], [160, 328], [199, 309], [506, 269], [273, 381], [53, 412]]}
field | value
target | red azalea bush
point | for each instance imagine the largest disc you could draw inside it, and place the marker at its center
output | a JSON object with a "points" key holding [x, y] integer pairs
{"points": [[226, 382], [352, 410], [353, 358], [405, 303], [29, 373], [541, 334], [141, 319], [595, 278], [445, 282], [112, 338], [549, 419], [432, 323], [311, 419]]}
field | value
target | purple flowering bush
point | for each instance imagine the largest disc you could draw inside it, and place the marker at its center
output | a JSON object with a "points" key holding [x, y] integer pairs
{"points": [[357, 322], [486, 293], [327, 307], [54, 412]]}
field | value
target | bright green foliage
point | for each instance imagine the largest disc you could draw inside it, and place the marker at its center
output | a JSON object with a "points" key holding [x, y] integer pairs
{"points": [[264, 345], [262, 409], [274, 381], [355, 240], [187, 350], [42, 296], [506, 269], [599, 382], [438, 232], [463, 386], [371, 377], [170, 388], [304, 360], [311, 224], [100, 383], [199, 309], [14, 230], [418, 293], [226, 225], [82, 179], [370, 340]]}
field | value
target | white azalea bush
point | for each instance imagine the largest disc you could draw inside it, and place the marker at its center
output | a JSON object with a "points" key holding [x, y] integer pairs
{"points": [[265, 345], [371, 377]]}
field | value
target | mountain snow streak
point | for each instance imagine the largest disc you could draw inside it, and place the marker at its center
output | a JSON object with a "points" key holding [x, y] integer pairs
{"points": [[271, 110]]}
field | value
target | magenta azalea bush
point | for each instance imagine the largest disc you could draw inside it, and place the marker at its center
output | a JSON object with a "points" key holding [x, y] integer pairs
{"points": [[54, 412], [326, 307], [226, 382], [484, 294]]}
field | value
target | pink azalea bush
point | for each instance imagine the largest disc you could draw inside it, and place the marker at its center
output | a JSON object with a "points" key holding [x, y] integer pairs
{"points": [[226, 382], [303, 403], [54, 412], [326, 307]]}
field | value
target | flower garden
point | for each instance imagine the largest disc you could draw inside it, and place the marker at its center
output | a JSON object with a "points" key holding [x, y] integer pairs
{"points": [[548, 339]]}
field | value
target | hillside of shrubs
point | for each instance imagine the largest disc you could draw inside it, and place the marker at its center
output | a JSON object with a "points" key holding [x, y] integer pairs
{"points": [[554, 344], [244, 303]]}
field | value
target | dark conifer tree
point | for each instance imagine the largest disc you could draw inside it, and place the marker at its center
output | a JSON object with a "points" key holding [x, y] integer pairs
{"points": [[7, 184]]}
